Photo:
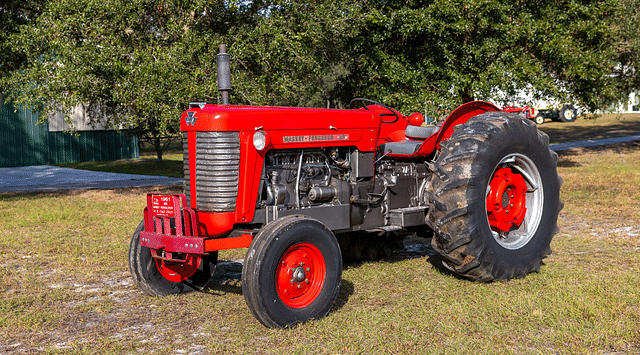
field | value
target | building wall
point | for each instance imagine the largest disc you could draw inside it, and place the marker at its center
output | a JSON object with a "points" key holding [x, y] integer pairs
{"points": [[24, 142]]}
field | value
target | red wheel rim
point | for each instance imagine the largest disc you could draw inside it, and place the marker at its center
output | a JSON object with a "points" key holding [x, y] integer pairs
{"points": [[507, 200], [300, 275], [178, 272]]}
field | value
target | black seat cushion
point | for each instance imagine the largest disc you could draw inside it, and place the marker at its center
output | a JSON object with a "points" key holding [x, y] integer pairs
{"points": [[402, 148]]}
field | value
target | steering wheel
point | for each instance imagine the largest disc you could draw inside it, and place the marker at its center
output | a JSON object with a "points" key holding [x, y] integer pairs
{"points": [[363, 102]]}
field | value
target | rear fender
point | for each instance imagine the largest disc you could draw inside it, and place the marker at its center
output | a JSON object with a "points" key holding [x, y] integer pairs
{"points": [[459, 116]]}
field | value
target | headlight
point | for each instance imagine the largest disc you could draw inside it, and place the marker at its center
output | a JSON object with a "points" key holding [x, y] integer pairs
{"points": [[260, 140]]}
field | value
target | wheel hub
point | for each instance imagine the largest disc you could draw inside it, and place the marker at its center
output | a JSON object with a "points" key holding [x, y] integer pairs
{"points": [[568, 114], [506, 200], [300, 275]]}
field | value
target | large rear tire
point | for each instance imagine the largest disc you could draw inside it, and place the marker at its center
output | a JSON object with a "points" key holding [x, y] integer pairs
{"points": [[567, 113], [292, 272], [494, 198], [155, 277]]}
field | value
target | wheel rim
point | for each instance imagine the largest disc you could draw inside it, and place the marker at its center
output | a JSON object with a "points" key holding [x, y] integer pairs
{"points": [[514, 201], [300, 275], [178, 272], [568, 115], [539, 119]]}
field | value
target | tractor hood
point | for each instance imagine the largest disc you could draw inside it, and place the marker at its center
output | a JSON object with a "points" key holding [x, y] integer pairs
{"points": [[243, 118]]}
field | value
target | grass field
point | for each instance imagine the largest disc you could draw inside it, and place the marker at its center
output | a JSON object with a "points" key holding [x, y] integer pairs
{"points": [[604, 126], [66, 287], [147, 164]]}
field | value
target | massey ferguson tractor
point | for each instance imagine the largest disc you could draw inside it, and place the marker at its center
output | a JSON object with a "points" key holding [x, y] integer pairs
{"points": [[304, 188]]}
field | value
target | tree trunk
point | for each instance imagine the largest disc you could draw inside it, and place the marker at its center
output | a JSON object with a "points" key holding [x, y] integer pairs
{"points": [[159, 148], [466, 95]]}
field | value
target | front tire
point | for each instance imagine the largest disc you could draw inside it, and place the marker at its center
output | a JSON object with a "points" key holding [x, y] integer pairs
{"points": [[155, 277], [494, 198], [292, 272], [539, 119]]}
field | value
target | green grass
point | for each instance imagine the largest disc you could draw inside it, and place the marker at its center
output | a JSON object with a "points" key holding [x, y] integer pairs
{"points": [[66, 287], [147, 164], [171, 165]]}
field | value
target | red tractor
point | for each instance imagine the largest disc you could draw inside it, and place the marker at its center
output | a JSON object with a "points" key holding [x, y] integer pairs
{"points": [[527, 111], [304, 188]]}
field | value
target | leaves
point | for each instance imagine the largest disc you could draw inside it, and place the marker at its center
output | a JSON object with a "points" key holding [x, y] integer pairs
{"points": [[137, 63]]}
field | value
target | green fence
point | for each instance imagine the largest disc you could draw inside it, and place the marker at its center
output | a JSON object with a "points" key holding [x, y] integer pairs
{"points": [[24, 142]]}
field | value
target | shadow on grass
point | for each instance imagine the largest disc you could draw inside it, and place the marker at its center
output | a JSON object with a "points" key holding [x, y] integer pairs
{"points": [[414, 247], [565, 157], [141, 166], [228, 275], [588, 129]]}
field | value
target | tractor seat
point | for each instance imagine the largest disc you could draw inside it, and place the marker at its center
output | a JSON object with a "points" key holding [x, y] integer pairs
{"points": [[415, 134], [420, 132], [400, 148]]}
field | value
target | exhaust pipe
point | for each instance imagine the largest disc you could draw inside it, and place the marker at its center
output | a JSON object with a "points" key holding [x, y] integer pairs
{"points": [[224, 74]]}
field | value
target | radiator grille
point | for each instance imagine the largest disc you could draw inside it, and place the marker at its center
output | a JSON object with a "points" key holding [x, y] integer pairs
{"points": [[185, 160], [217, 161]]}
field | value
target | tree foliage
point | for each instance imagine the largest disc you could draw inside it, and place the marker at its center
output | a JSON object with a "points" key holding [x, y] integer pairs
{"points": [[139, 62], [440, 53], [14, 14], [135, 63]]}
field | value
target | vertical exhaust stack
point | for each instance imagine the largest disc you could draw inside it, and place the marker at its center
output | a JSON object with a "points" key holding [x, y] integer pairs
{"points": [[224, 74]]}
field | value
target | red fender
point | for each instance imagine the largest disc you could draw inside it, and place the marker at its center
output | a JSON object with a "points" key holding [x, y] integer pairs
{"points": [[459, 116]]}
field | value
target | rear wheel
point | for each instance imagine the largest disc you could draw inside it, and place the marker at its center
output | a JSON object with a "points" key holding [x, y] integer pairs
{"points": [[567, 113], [494, 198], [292, 272], [157, 277]]}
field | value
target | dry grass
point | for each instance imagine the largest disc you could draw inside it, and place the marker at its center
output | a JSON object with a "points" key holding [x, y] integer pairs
{"points": [[66, 287]]}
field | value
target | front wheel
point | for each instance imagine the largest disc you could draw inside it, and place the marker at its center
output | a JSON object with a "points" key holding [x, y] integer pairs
{"points": [[156, 277], [539, 119], [494, 198], [292, 272]]}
